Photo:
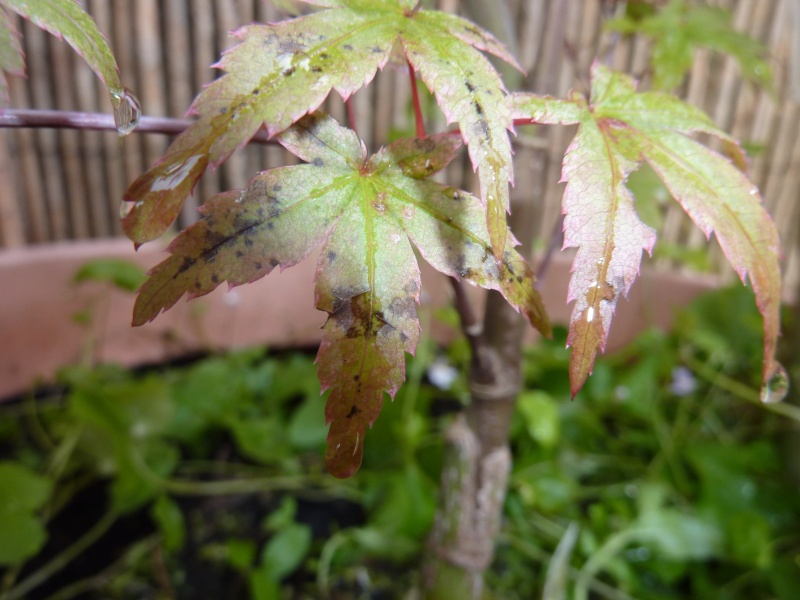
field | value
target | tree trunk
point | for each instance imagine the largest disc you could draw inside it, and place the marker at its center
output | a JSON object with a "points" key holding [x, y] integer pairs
{"points": [[477, 459]]}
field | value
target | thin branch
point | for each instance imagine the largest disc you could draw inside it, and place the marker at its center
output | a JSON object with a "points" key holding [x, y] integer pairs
{"points": [[556, 241], [351, 114], [16, 118], [60, 119], [418, 118], [470, 324]]}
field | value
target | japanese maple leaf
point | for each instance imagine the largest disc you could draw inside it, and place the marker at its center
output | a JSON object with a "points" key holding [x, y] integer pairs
{"points": [[365, 213], [280, 72], [620, 128], [64, 19]]}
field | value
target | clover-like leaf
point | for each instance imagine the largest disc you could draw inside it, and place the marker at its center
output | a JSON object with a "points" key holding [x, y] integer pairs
{"points": [[366, 213], [620, 128], [66, 19], [280, 72]]}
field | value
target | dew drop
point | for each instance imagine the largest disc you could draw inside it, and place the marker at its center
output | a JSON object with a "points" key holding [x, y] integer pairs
{"points": [[127, 111], [590, 314], [753, 191], [125, 208], [777, 387]]}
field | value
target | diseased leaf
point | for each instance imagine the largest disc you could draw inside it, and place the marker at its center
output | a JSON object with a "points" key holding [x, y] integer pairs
{"points": [[365, 213], [620, 128], [66, 19], [11, 58], [680, 28], [280, 72]]}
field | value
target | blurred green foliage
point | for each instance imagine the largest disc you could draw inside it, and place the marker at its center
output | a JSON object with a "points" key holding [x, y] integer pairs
{"points": [[664, 478], [679, 28]]}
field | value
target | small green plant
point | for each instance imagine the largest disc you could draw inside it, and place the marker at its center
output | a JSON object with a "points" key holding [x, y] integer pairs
{"points": [[368, 211], [214, 468]]}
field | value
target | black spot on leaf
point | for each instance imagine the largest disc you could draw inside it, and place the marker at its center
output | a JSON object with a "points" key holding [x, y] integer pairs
{"points": [[331, 256], [318, 162], [184, 266], [353, 410], [470, 87], [478, 107], [288, 72]]}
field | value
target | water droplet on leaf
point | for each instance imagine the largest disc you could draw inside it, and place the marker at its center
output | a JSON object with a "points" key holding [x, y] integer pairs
{"points": [[127, 111], [125, 208], [777, 387]]}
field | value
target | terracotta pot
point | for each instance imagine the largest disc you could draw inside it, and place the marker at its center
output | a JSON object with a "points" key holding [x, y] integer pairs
{"points": [[40, 300]]}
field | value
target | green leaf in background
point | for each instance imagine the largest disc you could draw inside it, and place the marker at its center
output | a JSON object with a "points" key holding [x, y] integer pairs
{"points": [[22, 492], [286, 550], [263, 439], [139, 471], [169, 518], [681, 27], [307, 428], [540, 412], [122, 274], [283, 516], [240, 553], [651, 195], [677, 534], [263, 585]]}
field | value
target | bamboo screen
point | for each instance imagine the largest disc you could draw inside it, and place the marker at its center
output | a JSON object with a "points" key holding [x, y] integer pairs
{"points": [[66, 185]]}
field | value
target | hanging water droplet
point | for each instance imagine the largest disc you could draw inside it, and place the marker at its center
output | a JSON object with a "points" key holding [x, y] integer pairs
{"points": [[127, 111], [777, 387]]}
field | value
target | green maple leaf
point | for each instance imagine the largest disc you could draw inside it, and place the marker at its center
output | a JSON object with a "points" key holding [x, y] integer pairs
{"points": [[66, 19], [620, 128], [280, 72], [366, 213], [679, 29]]}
